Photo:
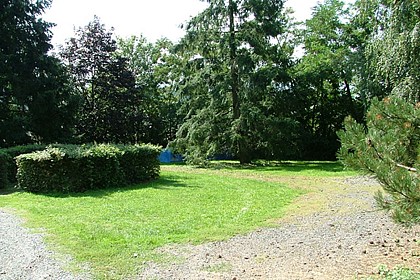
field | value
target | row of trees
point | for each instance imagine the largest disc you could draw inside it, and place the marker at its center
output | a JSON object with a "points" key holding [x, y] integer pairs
{"points": [[231, 87]]}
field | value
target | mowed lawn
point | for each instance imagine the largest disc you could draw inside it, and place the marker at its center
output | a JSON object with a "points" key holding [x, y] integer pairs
{"points": [[116, 230]]}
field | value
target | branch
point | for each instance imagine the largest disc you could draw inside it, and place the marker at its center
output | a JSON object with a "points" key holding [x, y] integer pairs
{"points": [[412, 169]]}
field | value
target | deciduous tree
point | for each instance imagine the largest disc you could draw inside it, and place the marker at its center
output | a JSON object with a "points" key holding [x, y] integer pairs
{"points": [[324, 79], [111, 108]]}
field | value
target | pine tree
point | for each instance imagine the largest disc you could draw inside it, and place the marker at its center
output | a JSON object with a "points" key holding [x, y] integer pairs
{"points": [[389, 148], [389, 145]]}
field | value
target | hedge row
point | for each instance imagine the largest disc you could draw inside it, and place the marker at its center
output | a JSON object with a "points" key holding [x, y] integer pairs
{"points": [[71, 168], [8, 167]]}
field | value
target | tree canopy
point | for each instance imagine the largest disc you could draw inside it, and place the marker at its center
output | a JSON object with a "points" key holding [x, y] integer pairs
{"points": [[389, 147], [36, 102], [236, 58], [232, 87]]}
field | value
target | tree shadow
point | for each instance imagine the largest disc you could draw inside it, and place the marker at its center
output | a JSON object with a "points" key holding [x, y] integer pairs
{"points": [[8, 191], [162, 183], [285, 166]]}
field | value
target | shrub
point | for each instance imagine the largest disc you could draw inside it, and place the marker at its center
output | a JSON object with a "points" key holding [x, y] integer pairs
{"points": [[140, 162], [71, 168], [8, 168]]}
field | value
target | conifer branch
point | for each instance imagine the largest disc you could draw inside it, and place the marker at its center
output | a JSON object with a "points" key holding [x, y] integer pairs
{"points": [[412, 169]]}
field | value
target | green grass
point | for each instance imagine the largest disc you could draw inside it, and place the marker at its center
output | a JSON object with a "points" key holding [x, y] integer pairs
{"points": [[116, 230], [287, 168], [398, 273]]}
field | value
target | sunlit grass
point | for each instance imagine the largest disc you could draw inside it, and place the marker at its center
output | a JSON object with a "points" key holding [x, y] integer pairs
{"points": [[116, 230]]}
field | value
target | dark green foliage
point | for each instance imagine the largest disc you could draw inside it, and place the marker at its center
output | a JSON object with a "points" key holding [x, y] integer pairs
{"points": [[389, 149], [4, 160], [156, 68], [236, 62], [36, 103], [8, 168], [389, 145], [113, 108], [324, 80], [136, 170], [71, 168]]}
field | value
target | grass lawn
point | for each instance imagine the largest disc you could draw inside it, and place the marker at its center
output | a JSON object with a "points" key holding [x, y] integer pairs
{"points": [[116, 230]]}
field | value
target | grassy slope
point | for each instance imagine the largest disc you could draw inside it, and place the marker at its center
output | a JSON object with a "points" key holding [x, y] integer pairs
{"points": [[116, 230]]}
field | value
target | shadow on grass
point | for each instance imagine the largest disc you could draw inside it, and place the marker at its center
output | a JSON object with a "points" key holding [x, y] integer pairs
{"points": [[162, 183], [285, 166], [8, 191]]}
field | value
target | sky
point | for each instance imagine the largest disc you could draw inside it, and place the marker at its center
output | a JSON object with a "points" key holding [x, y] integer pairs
{"points": [[152, 18]]}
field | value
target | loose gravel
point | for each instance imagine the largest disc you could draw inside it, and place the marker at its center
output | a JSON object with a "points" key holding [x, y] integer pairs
{"points": [[345, 238], [24, 255], [348, 239]]}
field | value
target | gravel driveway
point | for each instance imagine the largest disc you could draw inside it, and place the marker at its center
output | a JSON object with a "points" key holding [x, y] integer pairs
{"points": [[338, 234], [346, 238], [24, 255]]}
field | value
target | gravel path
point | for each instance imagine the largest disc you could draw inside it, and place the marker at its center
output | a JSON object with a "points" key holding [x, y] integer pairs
{"points": [[344, 239], [336, 234], [24, 255]]}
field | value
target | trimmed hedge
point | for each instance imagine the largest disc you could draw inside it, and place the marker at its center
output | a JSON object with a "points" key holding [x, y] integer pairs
{"points": [[71, 168], [8, 168]]}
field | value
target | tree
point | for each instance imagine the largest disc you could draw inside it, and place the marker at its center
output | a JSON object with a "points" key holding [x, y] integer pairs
{"points": [[236, 57], [389, 146], [324, 80], [155, 68], [36, 102], [111, 108]]}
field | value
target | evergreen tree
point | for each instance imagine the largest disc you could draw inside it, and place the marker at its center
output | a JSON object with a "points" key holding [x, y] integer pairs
{"points": [[389, 146], [36, 102], [236, 58]]}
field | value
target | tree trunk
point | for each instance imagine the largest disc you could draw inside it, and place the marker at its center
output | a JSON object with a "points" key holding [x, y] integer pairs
{"points": [[351, 103], [241, 142]]}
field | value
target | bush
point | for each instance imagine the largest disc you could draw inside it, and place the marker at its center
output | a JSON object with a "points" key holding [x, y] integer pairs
{"points": [[8, 168], [71, 168], [140, 162]]}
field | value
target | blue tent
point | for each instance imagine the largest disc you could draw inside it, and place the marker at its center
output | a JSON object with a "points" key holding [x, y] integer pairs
{"points": [[166, 156]]}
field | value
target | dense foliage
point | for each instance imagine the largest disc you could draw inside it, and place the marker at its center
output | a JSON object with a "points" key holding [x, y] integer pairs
{"points": [[230, 88], [111, 108], [246, 81], [389, 145], [8, 168], [236, 61], [72, 168], [36, 101], [389, 148]]}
